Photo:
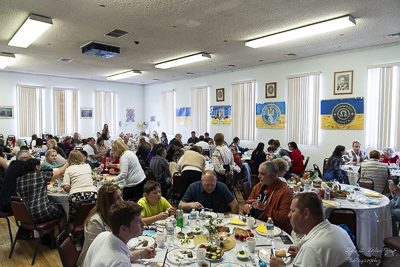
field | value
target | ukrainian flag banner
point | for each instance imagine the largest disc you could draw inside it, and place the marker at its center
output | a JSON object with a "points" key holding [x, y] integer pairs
{"points": [[221, 115], [183, 116], [345, 114], [270, 115]]}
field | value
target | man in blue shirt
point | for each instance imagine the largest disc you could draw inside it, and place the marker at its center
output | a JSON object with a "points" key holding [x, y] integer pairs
{"points": [[208, 193]]}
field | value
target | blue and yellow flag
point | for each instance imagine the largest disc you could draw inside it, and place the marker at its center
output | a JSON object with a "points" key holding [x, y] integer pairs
{"points": [[183, 116], [347, 114], [270, 115], [221, 115]]}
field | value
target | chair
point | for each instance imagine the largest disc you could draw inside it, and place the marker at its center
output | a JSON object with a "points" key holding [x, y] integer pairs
{"points": [[149, 174], [66, 249], [253, 172], [392, 243], [347, 217], [316, 168], [76, 227], [23, 218], [306, 163], [325, 165], [246, 191], [206, 152], [143, 164], [176, 186], [368, 183], [1, 136], [5, 215], [44, 137]]}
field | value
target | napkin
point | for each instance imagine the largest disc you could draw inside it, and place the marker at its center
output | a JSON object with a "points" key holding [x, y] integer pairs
{"points": [[262, 229], [328, 203], [369, 201], [373, 194], [229, 265], [236, 221]]}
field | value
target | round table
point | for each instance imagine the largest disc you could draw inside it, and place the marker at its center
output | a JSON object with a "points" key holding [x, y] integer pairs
{"points": [[230, 255]]}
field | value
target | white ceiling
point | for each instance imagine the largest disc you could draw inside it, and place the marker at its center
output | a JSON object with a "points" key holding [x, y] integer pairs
{"points": [[168, 29]]}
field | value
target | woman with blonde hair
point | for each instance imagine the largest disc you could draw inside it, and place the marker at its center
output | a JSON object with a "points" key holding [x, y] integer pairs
{"points": [[78, 183], [50, 160], [130, 171], [155, 136]]}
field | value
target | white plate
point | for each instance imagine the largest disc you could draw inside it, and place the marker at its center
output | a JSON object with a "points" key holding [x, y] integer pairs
{"points": [[277, 231], [189, 245], [212, 260], [134, 241], [265, 256], [212, 214], [224, 264], [175, 256]]}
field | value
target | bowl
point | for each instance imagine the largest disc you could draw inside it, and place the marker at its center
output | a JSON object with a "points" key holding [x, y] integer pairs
{"points": [[242, 255], [351, 199], [157, 264]]}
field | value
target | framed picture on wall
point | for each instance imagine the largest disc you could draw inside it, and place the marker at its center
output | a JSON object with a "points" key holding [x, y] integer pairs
{"points": [[6, 112], [86, 113], [270, 90], [220, 94], [343, 83]]}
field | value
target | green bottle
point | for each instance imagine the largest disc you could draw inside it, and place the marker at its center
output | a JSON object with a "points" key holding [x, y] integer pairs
{"points": [[179, 217]]}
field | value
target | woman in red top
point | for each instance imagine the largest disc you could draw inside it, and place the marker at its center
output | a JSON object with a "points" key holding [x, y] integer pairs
{"points": [[113, 160], [389, 156], [236, 156], [296, 157]]}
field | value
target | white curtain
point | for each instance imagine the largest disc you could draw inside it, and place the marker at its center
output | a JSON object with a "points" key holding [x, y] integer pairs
{"points": [[199, 109], [168, 110], [382, 108], [302, 109], [29, 107], [243, 110], [105, 110], [65, 111]]}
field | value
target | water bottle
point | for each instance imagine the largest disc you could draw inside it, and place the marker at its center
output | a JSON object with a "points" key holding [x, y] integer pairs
{"points": [[5, 158], [307, 186], [173, 222], [170, 234], [193, 218], [394, 195], [98, 183], [270, 229], [202, 217], [179, 217]]}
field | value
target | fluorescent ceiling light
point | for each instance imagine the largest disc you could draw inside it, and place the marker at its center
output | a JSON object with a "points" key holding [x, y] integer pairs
{"points": [[32, 28], [304, 31], [183, 61], [123, 75], [5, 59]]}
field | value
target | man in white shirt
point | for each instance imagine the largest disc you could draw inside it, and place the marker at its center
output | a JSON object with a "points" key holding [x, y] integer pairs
{"points": [[126, 223], [204, 145], [92, 156], [129, 143], [324, 244]]}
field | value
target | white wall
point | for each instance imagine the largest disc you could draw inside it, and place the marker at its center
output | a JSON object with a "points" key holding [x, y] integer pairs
{"points": [[128, 96], [356, 60]]}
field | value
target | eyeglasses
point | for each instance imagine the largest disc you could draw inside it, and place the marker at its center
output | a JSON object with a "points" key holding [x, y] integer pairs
{"points": [[208, 185]]}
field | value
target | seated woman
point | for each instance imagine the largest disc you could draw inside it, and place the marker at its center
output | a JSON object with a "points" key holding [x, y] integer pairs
{"points": [[51, 144], [17, 147], [39, 147], [258, 155], [389, 156], [375, 170], [33, 141], [50, 161], [78, 183], [236, 142], [143, 149], [395, 207], [283, 167], [97, 220], [61, 158], [110, 170], [68, 146], [164, 138], [236, 157], [296, 157], [155, 206], [100, 146], [3, 167], [334, 169]]}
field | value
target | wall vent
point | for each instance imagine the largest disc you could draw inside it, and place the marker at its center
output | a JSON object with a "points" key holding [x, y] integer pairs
{"points": [[65, 59], [117, 33]]}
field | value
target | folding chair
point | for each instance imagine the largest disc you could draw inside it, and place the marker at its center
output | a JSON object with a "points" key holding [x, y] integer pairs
{"points": [[176, 186], [5, 215], [66, 249], [347, 217], [365, 182], [76, 227]]}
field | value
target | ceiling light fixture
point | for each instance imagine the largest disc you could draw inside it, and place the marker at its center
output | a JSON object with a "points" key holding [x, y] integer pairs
{"points": [[304, 31], [33, 27], [183, 61], [124, 75], [5, 59]]}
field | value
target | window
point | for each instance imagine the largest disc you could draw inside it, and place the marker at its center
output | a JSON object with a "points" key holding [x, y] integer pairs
{"points": [[243, 110], [168, 110], [303, 107], [199, 106], [382, 107], [105, 110], [29, 101], [65, 111]]}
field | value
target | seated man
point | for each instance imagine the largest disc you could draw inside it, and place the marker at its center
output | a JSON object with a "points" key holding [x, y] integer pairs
{"points": [[270, 197], [91, 153], [193, 139], [155, 206], [176, 146], [202, 143], [324, 244], [208, 193], [126, 223], [355, 155], [159, 167]]}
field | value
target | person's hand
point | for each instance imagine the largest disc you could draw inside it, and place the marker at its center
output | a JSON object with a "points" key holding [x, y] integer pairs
{"points": [[109, 181], [148, 253], [354, 163], [197, 205], [100, 169], [259, 205], [108, 165], [163, 215], [172, 211], [296, 177], [276, 262], [111, 171], [293, 250], [247, 208]]}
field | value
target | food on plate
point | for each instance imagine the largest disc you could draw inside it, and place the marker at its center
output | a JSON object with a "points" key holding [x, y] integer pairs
{"points": [[279, 253], [226, 215], [196, 230], [351, 199], [204, 265], [339, 193], [242, 254], [208, 216], [292, 181], [188, 253], [241, 234], [145, 243], [223, 229], [214, 252], [190, 235], [180, 235], [329, 184], [186, 243]]}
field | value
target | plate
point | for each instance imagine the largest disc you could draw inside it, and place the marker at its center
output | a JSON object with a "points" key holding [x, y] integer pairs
{"points": [[154, 264], [277, 231], [211, 214], [265, 255], [134, 241], [186, 243], [227, 263], [196, 230], [244, 256], [212, 260], [178, 255]]}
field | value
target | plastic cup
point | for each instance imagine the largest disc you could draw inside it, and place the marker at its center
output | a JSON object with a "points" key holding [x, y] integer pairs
{"points": [[185, 218], [251, 244], [250, 222], [201, 253], [160, 240]]}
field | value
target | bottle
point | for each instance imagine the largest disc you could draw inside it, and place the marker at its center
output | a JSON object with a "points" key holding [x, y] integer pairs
{"points": [[193, 218], [5, 157], [270, 229], [173, 221], [170, 234], [179, 217], [394, 195], [307, 186], [98, 183], [202, 217]]}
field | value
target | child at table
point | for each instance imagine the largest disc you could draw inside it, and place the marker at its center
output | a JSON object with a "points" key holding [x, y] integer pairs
{"points": [[155, 206]]}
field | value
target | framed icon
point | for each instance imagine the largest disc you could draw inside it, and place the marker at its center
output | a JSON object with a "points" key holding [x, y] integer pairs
{"points": [[270, 90], [220, 94], [343, 83]]}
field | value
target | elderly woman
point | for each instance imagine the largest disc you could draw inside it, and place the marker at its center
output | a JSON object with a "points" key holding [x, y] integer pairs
{"points": [[104, 167], [355, 155], [334, 169], [283, 167], [100, 145], [296, 157], [375, 170], [389, 156], [50, 161], [191, 165], [222, 159], [130, 171], [17, 147]]}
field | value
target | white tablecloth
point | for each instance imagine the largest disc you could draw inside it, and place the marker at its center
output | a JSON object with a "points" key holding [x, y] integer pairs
{"points": [[230, 255], [374, 222], [60, 198]]}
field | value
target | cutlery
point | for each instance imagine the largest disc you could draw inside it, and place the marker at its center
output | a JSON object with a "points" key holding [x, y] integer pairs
{"points": [[165, 257], [273, 248], [252, 261]]}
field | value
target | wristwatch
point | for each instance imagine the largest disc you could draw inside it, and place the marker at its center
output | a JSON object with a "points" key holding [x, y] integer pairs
{"points": [[140, 254]]}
